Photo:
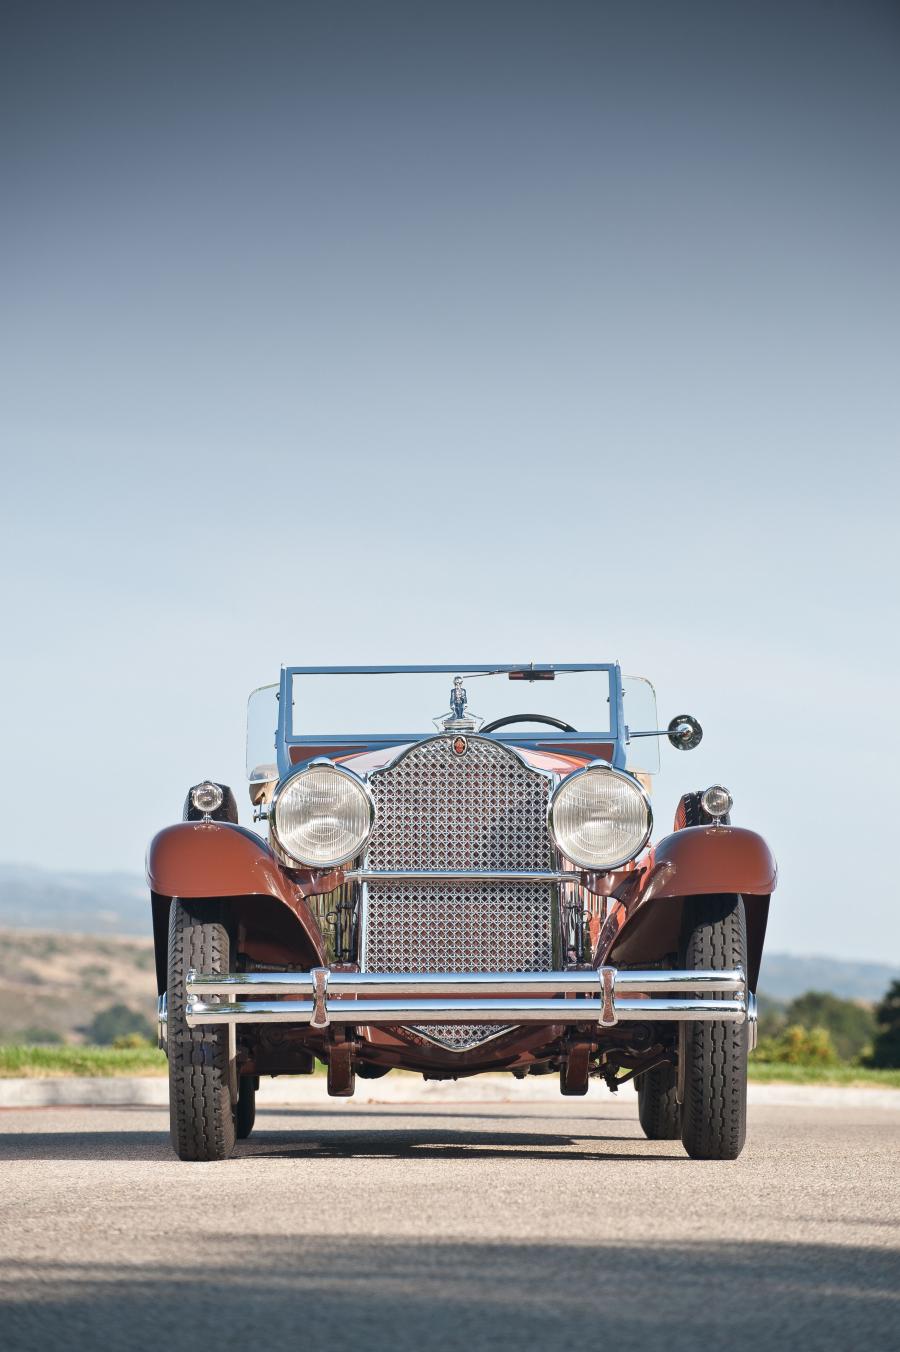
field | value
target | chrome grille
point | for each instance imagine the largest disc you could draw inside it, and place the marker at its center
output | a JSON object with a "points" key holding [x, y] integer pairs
{"points": [[482, 810]]}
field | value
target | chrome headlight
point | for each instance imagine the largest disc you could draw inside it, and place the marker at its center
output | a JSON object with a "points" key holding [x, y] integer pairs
{"points": [[207, 797], [716, 801], [322, 816], [600, 817]]}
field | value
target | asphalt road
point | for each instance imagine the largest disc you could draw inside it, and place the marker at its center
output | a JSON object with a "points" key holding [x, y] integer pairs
{"points": [[466, 1226]]}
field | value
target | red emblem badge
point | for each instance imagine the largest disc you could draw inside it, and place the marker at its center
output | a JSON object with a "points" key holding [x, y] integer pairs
{"points": [[459, 746]]}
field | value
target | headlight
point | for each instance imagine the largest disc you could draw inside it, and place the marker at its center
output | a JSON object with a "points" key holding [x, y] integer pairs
{"points": [[207, 797], [600, 817], [716, 801], [323, 816]]}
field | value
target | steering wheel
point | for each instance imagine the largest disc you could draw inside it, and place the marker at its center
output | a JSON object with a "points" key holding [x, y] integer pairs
{"points": [[528, 718]]}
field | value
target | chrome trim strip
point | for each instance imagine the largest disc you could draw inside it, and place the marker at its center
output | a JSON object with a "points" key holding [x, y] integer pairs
{"points": [[458, 997], [675, 1009], [586, 981], [367, 875]]}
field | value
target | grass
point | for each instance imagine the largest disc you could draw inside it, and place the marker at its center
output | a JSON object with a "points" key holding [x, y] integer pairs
{"points": [[42, 1062], [782, 1072]]}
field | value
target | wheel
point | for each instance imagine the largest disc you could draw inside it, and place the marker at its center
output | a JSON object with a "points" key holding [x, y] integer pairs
{"points": [[658, 1108], [200, 1113], [714, 1111], [245, 1108]]}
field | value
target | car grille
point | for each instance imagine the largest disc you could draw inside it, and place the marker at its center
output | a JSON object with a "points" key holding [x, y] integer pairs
{"points": [[436, 810]]}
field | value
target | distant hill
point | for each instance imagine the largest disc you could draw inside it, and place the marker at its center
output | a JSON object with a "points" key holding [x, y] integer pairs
{"points": [[117, 904], [52, 986], [785, 976], [73, 903]]}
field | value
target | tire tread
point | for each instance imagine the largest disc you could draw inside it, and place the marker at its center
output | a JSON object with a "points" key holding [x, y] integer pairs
{"points": [[200, 1112], [714, 1113], [658, 1108]]}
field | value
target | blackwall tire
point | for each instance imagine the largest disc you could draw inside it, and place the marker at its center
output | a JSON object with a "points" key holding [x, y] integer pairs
{"points": [[714, 1112], [245, 1108], [658, 1108], [201, 1116]]}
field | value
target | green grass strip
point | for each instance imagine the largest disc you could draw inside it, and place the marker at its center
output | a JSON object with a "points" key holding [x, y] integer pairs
{"points": [[41, 1062], [37, 1062]]}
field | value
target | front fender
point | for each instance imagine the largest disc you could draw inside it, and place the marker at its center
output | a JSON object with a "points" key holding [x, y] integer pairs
{"points": [[193, 860], [707, 859], [644, 923]]}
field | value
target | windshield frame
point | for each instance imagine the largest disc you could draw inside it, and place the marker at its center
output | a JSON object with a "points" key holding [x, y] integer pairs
{"points": [[611, 738]]}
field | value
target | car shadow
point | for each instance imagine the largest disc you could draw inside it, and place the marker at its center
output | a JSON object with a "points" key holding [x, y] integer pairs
{"points": [[424, 1144], [392, 1294], [345, 1141], [338, 1106]]}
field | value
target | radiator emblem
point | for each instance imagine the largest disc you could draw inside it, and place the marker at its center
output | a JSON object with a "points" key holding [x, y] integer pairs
{"points": [[460, 746]]}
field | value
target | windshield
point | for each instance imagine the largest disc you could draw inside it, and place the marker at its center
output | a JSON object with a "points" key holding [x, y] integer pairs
{"points": [[465, 699], [262, 729], [639, 703]]}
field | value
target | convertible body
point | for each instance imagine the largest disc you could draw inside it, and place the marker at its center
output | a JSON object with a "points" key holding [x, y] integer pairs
{"points": [[502, 907]]}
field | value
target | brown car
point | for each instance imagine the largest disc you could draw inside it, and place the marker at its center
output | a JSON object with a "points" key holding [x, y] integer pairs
{"points": [[477, 895]]}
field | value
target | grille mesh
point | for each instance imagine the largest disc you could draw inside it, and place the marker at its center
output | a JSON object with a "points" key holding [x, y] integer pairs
{"points": [[481, 810]]}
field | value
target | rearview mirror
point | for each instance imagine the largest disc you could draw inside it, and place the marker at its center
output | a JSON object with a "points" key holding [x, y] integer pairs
{"points": [[684, 732]]}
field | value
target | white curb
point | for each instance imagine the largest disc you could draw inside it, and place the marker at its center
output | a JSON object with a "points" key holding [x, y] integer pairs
{"points": [[153, 1091]]}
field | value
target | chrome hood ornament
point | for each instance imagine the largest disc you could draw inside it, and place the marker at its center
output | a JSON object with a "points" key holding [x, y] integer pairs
{"points": [[460, 718]]}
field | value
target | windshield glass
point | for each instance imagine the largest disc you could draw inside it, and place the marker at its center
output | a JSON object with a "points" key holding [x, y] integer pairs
{"points": [[262, 727], [420, 703], [639, 702]]}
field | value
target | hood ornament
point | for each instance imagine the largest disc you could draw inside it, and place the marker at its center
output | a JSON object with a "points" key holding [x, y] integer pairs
{"points": [[460, 718]]}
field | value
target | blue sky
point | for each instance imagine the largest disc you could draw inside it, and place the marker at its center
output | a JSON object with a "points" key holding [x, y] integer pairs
{"points": [[375, 334]]}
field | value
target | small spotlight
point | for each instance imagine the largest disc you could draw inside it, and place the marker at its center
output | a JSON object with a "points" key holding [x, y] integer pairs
{"points": [[716, 801], [206, 797]]}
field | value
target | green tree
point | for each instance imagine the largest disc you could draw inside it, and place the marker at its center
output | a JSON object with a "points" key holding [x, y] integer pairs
{"points": [[798, 1046], [38, 1036], [771, 1016], [852, 1026], [886, 1050], [115, 1022]]}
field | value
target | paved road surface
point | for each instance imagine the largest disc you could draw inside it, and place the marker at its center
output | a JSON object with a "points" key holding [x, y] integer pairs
{"points": [[449, 1226]]}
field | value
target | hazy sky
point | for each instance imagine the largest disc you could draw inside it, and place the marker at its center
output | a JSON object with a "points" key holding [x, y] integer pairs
{"points": [[403, 332]]}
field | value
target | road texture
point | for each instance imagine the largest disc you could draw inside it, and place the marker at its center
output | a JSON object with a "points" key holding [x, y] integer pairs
{"points": [[460, 1225]]}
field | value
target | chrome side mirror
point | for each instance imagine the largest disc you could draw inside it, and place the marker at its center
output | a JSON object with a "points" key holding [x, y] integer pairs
{"points": [[684, 732]]}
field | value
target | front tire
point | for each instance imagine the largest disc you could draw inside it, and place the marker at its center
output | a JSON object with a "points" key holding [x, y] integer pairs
{"points": [[201, 1116], [245, 1108], [658, 1107], [714, 1112]]}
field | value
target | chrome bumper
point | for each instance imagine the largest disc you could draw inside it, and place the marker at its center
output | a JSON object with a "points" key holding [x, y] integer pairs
{"points": [[606, 996]]}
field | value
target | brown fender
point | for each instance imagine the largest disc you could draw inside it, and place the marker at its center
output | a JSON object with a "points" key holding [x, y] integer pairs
{"points": [[217, 859], [644, 924], [707, 859]]}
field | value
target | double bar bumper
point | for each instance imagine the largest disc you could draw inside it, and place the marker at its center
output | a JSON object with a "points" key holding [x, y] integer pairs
{"points": [[605, 995]]}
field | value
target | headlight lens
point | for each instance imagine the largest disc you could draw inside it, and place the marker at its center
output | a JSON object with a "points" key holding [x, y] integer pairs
{"points": [[323, 816], [717, 801], [600, 817], [207, 797]]}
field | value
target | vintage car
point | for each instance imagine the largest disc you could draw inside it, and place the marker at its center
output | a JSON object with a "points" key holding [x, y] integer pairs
{"points": [[479, 894]]}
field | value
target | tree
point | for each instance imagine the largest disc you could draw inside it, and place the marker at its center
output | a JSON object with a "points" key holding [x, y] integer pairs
{"points": [[852, 1026], [798, 1046], [117, 1021], [886, 1051]]}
